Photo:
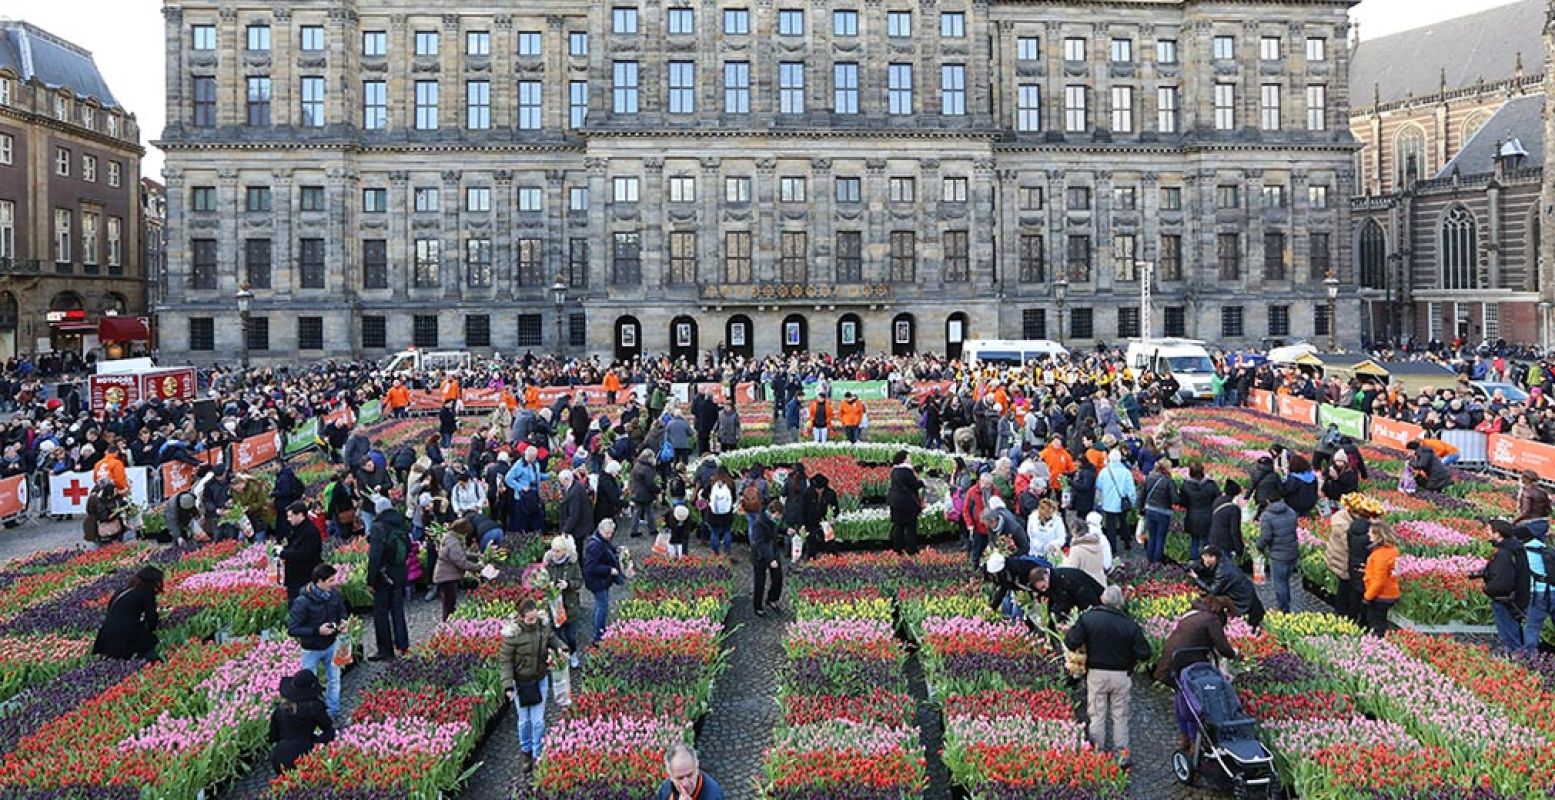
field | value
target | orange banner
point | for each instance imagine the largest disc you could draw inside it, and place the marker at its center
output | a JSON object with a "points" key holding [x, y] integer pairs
{"points": [[921, 389], [719, 392], [178, 476], [256, 451], [341, 414], [1261, 400], [13, 495], [425, 401], [1296, 409], [1392, 433], [1517, 455], [482, 398]]}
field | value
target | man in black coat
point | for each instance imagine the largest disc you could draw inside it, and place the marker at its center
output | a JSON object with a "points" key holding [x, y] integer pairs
{"points": [[1198, 496], [1067, 589], [1508, 583], [388, 547], [1114, 644], [313, 619], [705, 412], [1217, 575], [302, 549], [1225, 524], [129, 629], [576, 511]]}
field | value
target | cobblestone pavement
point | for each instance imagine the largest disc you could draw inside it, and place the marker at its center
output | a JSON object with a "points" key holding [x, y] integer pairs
{"points": [[42, 534], [744, 712]]}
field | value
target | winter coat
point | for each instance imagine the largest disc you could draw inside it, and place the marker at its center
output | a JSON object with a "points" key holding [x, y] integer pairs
{"points": [[793, 501], [569, 572], [1358, 542], [1379, 580], [1160, 492], [644, 482], [1437, 476], [1046, 537], [1231, 581], [1533, 504], [524, 651], [1114, 485], [294, 732], [1266, 484], [1300, 492], [1112, 639], [577, 514], [302, 551], [1345, 481], [1198, 497], [312, 608], [1070, 589], [387, 548], [1010, 525], [1507, 576], [1225, 527], [129, 629], [1199, 629], [453, 562], [1088, 552], [1278, 537], [1082, 490], [1336, 548], [679, 434], [599, 558], [728, 428], [607, 497], [764, 545], [903, 496]]}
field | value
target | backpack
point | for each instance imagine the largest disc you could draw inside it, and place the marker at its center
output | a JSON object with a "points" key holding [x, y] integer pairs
{"points": [[750, 499], [1538, 564], [666, 452], [955, 508], [720, 499]]}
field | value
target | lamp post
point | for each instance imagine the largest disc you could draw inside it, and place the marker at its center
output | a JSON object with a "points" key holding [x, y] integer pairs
{"points": [[559, 297], [1060, 294], [245, 299], [1546, 325], [1331, 286]]}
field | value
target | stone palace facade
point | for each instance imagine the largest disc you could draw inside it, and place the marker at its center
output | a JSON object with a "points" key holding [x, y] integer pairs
{"points": [[846, 175]]}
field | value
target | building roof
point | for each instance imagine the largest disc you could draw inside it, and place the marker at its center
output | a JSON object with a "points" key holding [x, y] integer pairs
{"points": [[1467, 49], [36, 54], [1520, 121]]}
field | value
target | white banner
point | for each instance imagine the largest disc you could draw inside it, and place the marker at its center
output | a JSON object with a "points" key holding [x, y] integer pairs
{"points": [[68, 490]]}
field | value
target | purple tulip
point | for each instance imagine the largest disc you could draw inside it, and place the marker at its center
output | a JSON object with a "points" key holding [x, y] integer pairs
{"points": [[34, 707]]}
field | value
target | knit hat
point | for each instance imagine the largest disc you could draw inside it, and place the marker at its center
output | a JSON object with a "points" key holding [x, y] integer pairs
{"points": [[382, 504]]}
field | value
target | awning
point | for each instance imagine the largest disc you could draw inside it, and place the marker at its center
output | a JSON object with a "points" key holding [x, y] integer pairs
{"points": [[123, 329], [74, 326]]}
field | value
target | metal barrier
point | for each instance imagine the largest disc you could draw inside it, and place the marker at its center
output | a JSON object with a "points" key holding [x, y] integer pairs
{"points": [[1473, 446]]}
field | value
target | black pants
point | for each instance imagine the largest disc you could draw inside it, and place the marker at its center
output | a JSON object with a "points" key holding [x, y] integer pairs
{"points": [[389, 620], [904, 535], [1114, 525], [1347, 600], [1255, 613], [449, 592], [1377, 616], [765, 593]]}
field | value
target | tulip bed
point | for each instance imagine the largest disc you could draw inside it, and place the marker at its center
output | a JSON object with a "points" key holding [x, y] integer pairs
{"points": [[648, 682]]}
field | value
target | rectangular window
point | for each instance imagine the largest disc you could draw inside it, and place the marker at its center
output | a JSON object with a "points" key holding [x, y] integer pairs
{"points": [[531, 330], [849, 190], [791, 87], [1319, 263], [528, 105], [89, 169], [429, 263], [626, 263], [1320, 319], [737, 190], [202, 334], [1166, 51], [477, 263], [1273, 196], [310, 263], [577, 103], [478, 43], [904, 190], [311, 38], [1033, 266], [423, 330], [623, 20], [1279, 320], [258, 255], [624, 87], [790, 22], [375, 201], [958, 261], [258, 37], [844, 23], [1128, 322], [1125, 264], [1171, 257], [1226, 196], [1028, 48], [1225, 106], [375, 332], [529, 199], [427, 199], [1269, 107], [898, 24], [1122, 51], [577, 329], [1269, 48], [529, 44], [682, 87], [89, 226], [375, 105], [1176, 321], [952, 25], [204, 103], [1317, 107], [904, 256], [1077, 258], [899, 89], [953, 190], [1228, 256], [202, 37], [1231, 322], [7, 229], [683, 189], [1082, 324], [845, 88], [578, 263], [202, 274], [737, 256], [683, 258], [312, 106], [257, 198], [1074, 50], [1033, 323], [426, 43], [1125, 198], [737, 21], [1031, 198], [375, 264], [115, 174], [1274, 256], [258, 101], [1171, 198], [1074, 109], [1317, 49], [477, 105], [311, 198], [952, 88], [850, 257], [578, 198], [477, 199], [1122, 109], [1224, 48], [310, 333], [477, 330], [737, 87], [577, 43], [791, 189], [1028, 107], [426, 105], [375, 43], [1166, 109], [681, 21], [1317, 196], [623, 189], [793, 257], [1077, 198]]}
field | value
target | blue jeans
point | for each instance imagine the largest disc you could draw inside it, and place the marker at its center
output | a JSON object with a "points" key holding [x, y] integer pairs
{"points": [[721, 538], [1538, 612], [1540, 528], [750, 528], [1279, 575], [531, 720], [601, 612], [819, 434], [1233, 398], [1507, 626], [448, 440], [491, 537], [851, 433], [311, 659], [1157, 522], [1450, 460]]}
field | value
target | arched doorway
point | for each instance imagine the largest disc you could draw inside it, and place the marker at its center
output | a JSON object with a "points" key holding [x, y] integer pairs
{"points": [[65, 335], [850, 336], [113, 303], [904, 335], [9, 319], [629, 338], [66, 301], [955, 334], [796, 334], [683, 339], [739, 336]]}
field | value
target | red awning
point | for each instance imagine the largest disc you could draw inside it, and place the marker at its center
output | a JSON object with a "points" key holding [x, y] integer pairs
{"points": [[123, 329], [74, 326]]}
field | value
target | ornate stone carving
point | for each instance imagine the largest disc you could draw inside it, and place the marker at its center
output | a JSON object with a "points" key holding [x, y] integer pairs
{"points": [[502, 22], [653, 164], [596, 166], [173, 14], [710, 165], [282, 15], [399, 177], [875, 166], [820, 164], [766, 166], [451, 175]]}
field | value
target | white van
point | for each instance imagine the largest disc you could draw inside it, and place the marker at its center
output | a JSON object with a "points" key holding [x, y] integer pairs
{"points": [[426, 360], [1009, 352], [1185, 359]]}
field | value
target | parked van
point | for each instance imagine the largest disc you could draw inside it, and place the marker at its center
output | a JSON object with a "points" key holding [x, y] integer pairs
{"points": [[426, 360], [1185, 359], [1009, 352]]}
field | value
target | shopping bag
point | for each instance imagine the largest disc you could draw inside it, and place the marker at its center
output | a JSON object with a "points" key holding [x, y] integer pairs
{"points": [[796, 547], [343, 652], [561, 685], [558, 612], [1140, 534], [661, 544]]}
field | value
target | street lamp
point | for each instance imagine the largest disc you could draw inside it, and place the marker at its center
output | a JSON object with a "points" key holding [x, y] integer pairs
{"points": [[1061, 293], [245, 299], [1546, 325], [559, 297], [1331, 285]]}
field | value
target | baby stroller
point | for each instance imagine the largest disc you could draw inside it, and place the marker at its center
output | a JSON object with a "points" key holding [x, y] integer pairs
{"points": [[1226, 751]]}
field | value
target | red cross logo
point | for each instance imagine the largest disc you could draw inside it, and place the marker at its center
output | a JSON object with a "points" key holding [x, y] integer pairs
{"points": [[75, 492]]}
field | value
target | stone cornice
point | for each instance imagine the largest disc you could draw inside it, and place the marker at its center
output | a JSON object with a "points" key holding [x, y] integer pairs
{"points": [[1526, 83], [44, 121], [976, 134], [390, 147]]}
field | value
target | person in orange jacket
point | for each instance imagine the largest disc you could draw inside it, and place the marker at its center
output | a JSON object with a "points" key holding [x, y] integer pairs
{"points": [[822, 414], [531, 397], [1059, 462], [451, 390], [1380, 582], [112, 468], [398, 399], [509, 402], [851, 415], [611, 385]]}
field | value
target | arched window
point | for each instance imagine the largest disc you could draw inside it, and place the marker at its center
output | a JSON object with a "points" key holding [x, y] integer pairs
{"points": [[1374, 256], [1408, 155], [1534, 258], [1472, 125], [8, 310], [114, 303], [1459, 250], [66, 301]]}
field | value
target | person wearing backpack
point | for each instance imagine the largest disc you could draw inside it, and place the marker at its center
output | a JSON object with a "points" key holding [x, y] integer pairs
{"points": [[1540, 588], [753, 498], [720, 512], [387, 575]]}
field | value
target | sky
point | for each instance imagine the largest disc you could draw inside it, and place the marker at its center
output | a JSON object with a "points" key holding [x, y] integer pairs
{"points": [[126, 37]]}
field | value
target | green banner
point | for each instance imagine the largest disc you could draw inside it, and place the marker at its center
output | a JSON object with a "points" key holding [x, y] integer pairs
{"points": [[302, 437], [1351, 423], [865, 390], [370, 412]]}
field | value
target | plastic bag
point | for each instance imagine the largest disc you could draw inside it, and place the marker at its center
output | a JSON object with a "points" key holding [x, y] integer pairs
{"points": [[796, 547], [558, 611], [1140, 534], [561, 685], [661, 544], [1258, 568]]}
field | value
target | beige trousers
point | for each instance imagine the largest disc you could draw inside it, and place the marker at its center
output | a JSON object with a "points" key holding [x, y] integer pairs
{"points": [[1107, 694]]}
